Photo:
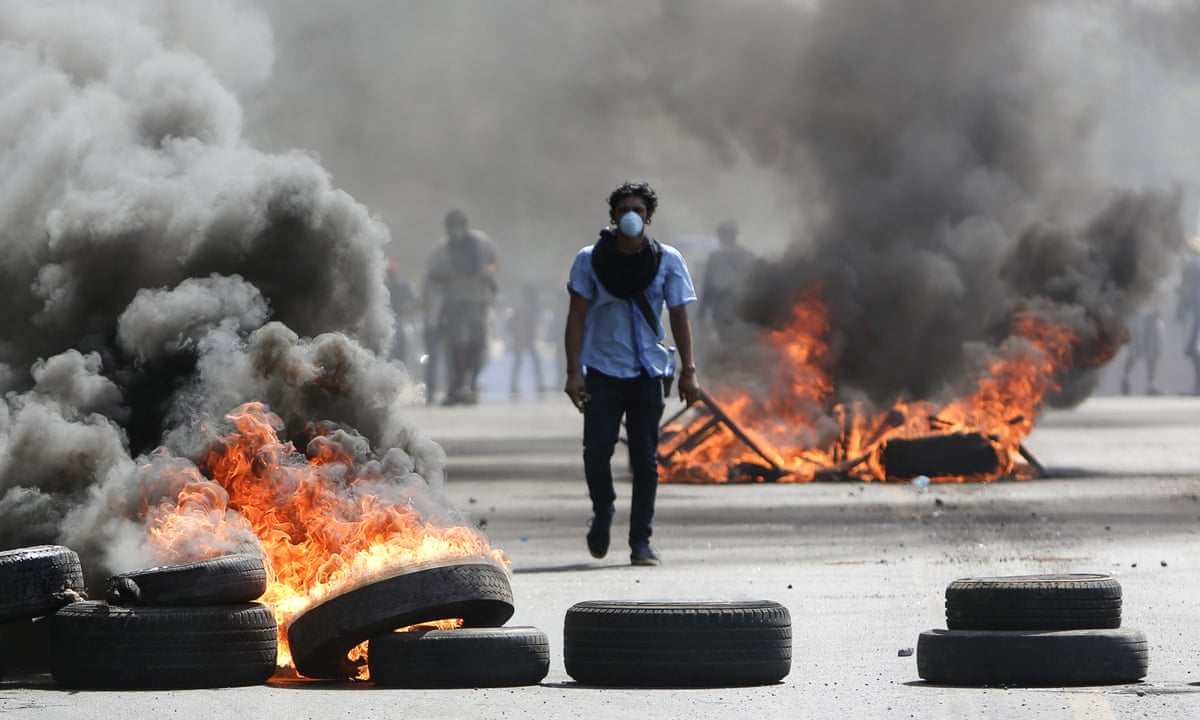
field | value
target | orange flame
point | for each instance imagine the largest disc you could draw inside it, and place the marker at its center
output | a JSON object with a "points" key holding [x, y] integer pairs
{"points": [[324, 525], [789, 421]]}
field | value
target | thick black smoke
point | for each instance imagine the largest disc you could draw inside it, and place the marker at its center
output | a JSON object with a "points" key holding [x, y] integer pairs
{"points": [[159, 272], [934, 164], [952, 163], [908, 155]]}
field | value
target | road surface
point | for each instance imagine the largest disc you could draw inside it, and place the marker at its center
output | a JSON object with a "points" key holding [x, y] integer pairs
{"points": [[861, 567]]}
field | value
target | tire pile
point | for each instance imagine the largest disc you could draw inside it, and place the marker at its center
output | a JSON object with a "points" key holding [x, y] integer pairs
{"points": [[677, 644], [176, 626], [195, 625], [1031, 631], [35, 582], [482, 653]]}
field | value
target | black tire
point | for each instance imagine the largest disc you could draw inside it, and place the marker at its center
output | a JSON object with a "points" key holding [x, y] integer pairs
{"points": [[25, 646], [1032, 659], [476, 591], [224, 580], [462, 658], [38, 580], [1078, 601], [95, 645], [677, 644]]}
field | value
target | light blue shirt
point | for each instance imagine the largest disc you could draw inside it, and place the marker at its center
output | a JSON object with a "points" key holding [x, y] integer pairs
{"points": [[617, 340]]}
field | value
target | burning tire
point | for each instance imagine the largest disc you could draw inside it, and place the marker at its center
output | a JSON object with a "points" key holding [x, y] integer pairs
{"points": [[678, 644], [95, 645], [477, 592], [1020, 658], [1077, 601], [463, 658], [953, 454], [38, 580], [225, 580]]}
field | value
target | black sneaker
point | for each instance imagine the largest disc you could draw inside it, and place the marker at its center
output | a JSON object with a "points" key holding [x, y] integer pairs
{"points": [[643, 554], [597, 537]]}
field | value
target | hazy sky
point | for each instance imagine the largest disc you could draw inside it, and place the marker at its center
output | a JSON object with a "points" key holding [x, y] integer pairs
{"points": [[525, 112], [906, 145]]}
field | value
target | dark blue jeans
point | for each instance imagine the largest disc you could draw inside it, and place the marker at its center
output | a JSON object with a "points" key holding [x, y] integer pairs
{"points": [[640, 401]]}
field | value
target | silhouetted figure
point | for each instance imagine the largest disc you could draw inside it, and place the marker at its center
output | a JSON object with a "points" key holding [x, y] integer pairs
{"points": [[1146, 335], [724, 278], [1188, 311], [525, 326], [406, 308], [460, 290]]}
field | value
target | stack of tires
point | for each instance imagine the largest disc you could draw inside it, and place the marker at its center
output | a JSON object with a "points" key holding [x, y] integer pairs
{"points": [[677, 644], [35, 582], [482, 653], [1033, 630], [176, 626]]}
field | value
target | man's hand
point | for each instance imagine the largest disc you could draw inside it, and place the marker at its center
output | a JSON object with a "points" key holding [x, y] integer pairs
{"points": [[689, 388], [576, 389]]}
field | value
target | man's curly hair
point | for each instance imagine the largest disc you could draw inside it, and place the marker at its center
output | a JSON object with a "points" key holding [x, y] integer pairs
{"points": [[634, 188]]}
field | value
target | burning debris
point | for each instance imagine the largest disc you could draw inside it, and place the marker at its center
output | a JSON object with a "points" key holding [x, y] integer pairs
{"points": [[953, 455], [327, 516], [193, 330], [802, 433], [793, 402], [969, 258]]}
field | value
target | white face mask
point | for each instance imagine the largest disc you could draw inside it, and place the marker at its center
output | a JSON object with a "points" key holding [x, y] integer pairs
{"points": [[631, 224]]}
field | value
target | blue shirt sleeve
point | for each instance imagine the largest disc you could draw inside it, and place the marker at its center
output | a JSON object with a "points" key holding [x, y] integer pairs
{"points": [[582, 281], [677, 283]]}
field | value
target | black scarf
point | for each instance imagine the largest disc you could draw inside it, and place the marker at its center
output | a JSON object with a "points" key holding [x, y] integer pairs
{"points": [[625, 274]]}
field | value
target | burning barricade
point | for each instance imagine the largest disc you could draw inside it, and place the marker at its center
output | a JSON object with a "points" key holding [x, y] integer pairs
{"points": [[351, 552], [795, 430], [346, 552]]}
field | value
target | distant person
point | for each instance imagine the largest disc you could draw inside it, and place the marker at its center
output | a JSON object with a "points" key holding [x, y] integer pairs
{"points": [[617, 358], [525, 328], [724, 280], [460, 290], [1146, 335], [406, 308], [1188, 311]]}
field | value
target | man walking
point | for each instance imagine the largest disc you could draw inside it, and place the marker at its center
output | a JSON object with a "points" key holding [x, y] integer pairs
{"points": [[725, 276], [460, 289], [617, 359]]}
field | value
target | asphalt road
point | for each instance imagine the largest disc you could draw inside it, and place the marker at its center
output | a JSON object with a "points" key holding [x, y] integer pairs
{"points": [[862, 569]]}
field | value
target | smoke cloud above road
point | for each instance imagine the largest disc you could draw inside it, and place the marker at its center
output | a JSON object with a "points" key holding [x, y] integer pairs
{"points": [[924, 161], [159, 271]]}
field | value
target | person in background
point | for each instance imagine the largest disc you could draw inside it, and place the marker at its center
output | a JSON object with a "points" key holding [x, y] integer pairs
{"points": [[525, 326], [1146, 335], [405, 307], [617, 358], [460, 290], [724, 277], [1188, 310]]}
